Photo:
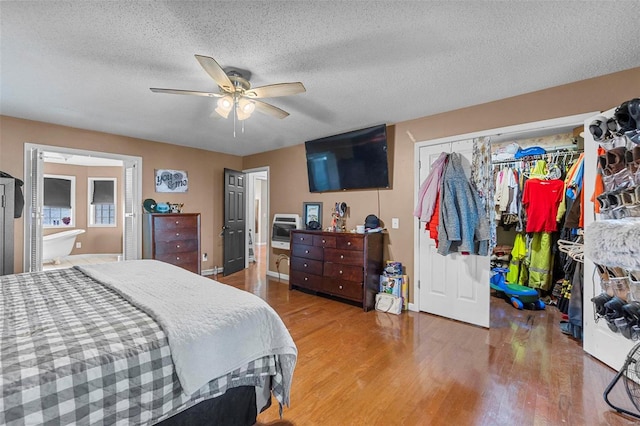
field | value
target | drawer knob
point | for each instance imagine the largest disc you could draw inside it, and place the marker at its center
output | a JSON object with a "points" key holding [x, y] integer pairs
{"points": [[178, 246], [177, 234], [305, 265], [301, 238], [340, 272], [348, 243], [306, 278], [177, 222], [324, 241], [306, 251], [178, 258], [340, 287], [342, 256]]}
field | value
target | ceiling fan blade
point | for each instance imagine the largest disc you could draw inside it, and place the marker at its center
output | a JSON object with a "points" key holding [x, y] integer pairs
{"points": [[269, 109], [216, 72], [275, 90], [186, 92]]}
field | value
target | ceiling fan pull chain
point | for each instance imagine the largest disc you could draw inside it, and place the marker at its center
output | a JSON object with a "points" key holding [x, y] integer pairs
{"points": [[235, 115]]}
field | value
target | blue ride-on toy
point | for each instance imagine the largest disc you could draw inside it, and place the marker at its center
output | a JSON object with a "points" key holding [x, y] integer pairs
{"points": [[519, 295]]}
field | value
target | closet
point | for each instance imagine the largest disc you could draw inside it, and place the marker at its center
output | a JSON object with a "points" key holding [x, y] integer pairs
{"points": [[457, 285], [537, 200]]}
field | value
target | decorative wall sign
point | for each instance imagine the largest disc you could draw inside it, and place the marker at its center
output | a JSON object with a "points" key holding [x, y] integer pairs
{"points": [[171, 180]]}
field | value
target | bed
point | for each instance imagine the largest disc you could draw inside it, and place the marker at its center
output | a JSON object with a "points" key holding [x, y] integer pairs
{"points": [[137, 342]]}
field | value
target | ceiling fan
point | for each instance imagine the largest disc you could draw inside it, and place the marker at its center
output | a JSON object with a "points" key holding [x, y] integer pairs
{"points": [[236, 94]]}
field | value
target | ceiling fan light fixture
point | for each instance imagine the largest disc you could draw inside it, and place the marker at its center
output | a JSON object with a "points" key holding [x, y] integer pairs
{"points": [[246, 106], [225, 103]]}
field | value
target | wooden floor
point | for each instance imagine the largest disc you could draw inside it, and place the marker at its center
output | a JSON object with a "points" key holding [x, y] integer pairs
{"points": [[357, 368]]}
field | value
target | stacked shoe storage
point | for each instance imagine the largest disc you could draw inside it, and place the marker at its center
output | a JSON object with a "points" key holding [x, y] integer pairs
{"points": [[614, 244]]}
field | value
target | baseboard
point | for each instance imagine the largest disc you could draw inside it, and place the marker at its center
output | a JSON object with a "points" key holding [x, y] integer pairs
{"points": [[212, 271], [276, 275], [413, 307]]}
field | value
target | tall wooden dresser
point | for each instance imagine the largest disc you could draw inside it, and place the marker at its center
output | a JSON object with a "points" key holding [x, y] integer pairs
{"points": [[341, 264], [173, 238]]}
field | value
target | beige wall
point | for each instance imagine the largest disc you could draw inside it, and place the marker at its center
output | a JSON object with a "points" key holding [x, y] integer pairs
{"points": [[205, 169], [289, 188], [288, 179], [95, 239]]}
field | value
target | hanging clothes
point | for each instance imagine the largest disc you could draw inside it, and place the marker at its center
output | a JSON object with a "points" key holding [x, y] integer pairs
{"points": [[518, 253], [482, 180], [541, 261], [428, 191], [462, 219], [541, 199]]}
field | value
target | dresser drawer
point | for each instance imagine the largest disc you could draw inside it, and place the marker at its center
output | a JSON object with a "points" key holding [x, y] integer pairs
{"points": [[300, 238], [305, 280], [308, 252], [175, 222], [324, 241], [176, 234], [178, 246], [308, 265], [350, 243], [351, 257], [341, 271], [186, 260], [343, 288]]}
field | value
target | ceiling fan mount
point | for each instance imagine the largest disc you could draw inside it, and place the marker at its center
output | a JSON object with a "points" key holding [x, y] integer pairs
{"points": [[234, 83]]}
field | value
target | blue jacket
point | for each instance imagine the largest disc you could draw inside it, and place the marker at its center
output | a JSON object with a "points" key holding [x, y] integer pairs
{"points": [[462, 218]]}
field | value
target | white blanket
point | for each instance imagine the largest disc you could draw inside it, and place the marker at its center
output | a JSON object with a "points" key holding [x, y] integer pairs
{"points": [[212, 328]]}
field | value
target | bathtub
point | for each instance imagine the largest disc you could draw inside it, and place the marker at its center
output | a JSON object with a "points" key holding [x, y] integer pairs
{"points": [[58, 245]]}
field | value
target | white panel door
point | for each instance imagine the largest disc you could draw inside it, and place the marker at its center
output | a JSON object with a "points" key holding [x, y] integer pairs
{"points": [[131, 237], [454, 286]]}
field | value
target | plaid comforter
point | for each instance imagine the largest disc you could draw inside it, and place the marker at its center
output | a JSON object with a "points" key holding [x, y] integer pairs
{"points": [[74, 352]]}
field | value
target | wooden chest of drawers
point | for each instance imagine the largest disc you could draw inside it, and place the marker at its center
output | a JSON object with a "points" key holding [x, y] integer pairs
{"points": [[172, 238], [345, 265]]}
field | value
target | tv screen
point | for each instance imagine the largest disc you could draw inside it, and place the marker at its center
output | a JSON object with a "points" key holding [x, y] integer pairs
{"points": [[352, 160]]}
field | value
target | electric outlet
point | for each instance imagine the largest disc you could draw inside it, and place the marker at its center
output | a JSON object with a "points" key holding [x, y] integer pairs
{"points": [[78, 244], [205, 257], [395, 223]]}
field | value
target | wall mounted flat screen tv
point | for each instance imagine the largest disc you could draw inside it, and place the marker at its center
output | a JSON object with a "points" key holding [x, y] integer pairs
{"points": [[352, 160]]}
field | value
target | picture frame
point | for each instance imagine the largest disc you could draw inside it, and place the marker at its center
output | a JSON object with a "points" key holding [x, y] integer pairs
{"points": [[311, 211], [171, 180]]}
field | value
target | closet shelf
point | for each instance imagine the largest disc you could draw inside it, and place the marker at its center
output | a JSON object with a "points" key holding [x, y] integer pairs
{"points": [[614, 242], [570, 154]]}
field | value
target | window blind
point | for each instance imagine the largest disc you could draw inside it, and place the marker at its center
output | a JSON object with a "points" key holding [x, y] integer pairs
{"points": [[102, 192], [57, 193]]}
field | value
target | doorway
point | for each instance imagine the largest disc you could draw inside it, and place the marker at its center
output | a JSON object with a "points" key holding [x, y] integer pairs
{"points": [[128, 170], [258, 226]]}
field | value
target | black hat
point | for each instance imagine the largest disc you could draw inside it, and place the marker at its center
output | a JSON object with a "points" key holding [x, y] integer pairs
{"points": [[624, 119], [371, 222]]}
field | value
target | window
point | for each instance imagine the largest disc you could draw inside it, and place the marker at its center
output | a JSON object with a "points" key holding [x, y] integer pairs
{"points": [[102, 202], [59, 201]]}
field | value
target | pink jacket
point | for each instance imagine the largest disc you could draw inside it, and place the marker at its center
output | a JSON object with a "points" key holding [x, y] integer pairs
{"points": [[429, 189]]}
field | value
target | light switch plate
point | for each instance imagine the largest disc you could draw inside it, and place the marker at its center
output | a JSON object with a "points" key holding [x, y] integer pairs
{"points": [[395, 223]]}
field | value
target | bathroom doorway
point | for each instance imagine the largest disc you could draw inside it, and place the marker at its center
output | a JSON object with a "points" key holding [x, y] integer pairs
{"points": [[257, 217], [104, 231]]}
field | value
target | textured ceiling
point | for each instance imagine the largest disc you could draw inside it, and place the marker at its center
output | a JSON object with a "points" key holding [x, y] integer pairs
{"points": [[90, 64]]}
